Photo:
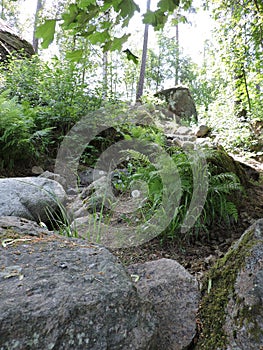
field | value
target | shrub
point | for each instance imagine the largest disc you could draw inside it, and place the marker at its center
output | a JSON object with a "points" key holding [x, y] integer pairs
{"points": [[16, 129]]}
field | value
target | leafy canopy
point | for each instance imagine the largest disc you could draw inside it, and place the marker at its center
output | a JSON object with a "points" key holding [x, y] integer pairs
{"points": [[101, 21]]}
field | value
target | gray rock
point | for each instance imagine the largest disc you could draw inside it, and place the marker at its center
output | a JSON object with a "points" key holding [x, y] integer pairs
{"points": [[232, 305], [201, 130], [56, 177], [184, 130], [205, 142], [37, 170], [175, 296], [67, 294], [30, 197], [244, 312], [86, 177], [180, 101], [98, 195], [18, 225]]}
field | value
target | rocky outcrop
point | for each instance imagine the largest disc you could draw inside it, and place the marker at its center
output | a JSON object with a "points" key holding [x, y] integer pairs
{"points": [[232, 306], [180, 102], [59, 293], [10, 42], [32, 198], [175, 296]]}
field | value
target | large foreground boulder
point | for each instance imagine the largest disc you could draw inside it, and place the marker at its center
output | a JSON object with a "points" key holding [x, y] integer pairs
{"points": [[59, 293], [232, 307], [33, 198], [175, 297]]}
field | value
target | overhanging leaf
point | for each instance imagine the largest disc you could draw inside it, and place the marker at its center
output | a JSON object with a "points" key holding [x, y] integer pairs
{"points": [[157, 19], [46, 31], [127, 8], [168, 5], [116, 43], [75, 56]]}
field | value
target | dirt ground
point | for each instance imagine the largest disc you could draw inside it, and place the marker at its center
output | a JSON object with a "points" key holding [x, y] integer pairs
{"points": [[199, 256]]}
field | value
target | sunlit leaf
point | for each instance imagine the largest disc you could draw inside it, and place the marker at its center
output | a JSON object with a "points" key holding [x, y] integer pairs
{"points": [[71, 15], [99, 37], [46, 31], [157, 19], [85, 3], [127, 8], [75, 56], [116, 43], [168, 5]]}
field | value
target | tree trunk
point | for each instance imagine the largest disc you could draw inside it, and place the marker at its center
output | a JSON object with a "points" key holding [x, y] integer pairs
{"points": [[105, 75], [36, 40], [177, 55], [144, 58]]}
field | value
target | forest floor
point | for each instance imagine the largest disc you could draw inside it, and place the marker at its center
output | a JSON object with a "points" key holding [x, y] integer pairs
{"points": [[198, 256]]}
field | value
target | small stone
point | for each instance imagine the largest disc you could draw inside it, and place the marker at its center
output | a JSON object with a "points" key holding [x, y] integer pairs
{"points": [[37, 170], [201, 130]]}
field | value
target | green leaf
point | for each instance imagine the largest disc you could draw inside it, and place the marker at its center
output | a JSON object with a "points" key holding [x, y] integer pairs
{"points": [[157, 19], [131, 56], [70, 16], [127, 8], [85, 3], [149, 18], [46, 31], [75, 56], [168, 5], [91, 29], [99, 37], [116, 43]]}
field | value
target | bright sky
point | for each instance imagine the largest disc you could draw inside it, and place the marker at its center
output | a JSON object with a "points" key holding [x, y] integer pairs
{"points": [[191, 37]]}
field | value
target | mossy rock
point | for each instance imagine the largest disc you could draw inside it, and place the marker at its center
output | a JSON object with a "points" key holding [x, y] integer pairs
{"points": [[231, 311], [223, 163]]}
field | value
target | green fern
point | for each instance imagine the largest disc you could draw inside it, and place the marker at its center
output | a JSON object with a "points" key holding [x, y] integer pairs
{"points": [[137, 156]]}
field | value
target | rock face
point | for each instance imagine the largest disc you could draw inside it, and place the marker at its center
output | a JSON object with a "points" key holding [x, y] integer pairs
{"points": [[232, 307], [175, 296], [13, 225], [58, 293], [30, 197], [10, 43], [180, 102]]}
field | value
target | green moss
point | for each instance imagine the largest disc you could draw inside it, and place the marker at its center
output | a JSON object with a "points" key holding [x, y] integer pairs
{"points": [[217, 291], [222, 162]]}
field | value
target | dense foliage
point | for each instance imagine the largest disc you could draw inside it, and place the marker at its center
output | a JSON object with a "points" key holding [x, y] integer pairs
{"points": [[40, 100]]}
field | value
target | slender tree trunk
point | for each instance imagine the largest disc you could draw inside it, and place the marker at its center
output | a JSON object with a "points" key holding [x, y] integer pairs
{"points": [[177, 55], [105, 75], [36, 40], [144, 58]]}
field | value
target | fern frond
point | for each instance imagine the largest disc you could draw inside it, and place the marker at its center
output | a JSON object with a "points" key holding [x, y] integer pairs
{"points": [[138, 156]]}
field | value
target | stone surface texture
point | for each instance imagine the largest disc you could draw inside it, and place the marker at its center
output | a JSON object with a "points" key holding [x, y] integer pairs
{"points": [[59, 293], [175, 296], [30, 197]]}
